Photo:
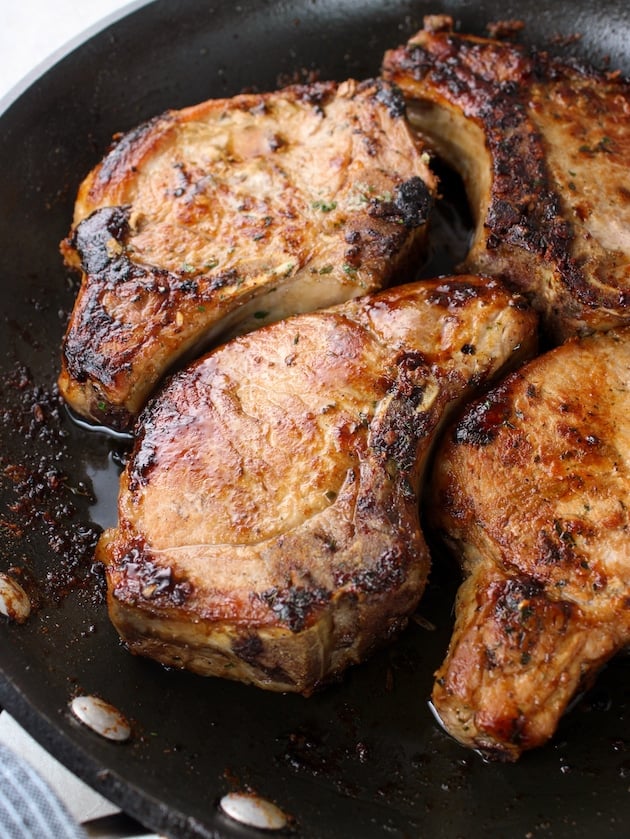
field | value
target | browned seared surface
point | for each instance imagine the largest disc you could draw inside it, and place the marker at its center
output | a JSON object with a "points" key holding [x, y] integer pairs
{"points": [[532, 492], [268, 515], [544, 151], [222, 217]]}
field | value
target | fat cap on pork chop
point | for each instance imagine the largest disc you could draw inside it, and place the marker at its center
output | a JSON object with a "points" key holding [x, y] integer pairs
{"points": [[544, 151], [268, 514], [219, 218]]}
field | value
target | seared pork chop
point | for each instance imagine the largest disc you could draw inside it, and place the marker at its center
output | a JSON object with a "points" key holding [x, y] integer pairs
{"points": [[532, 492], [268, 515], [221, 217], [544, 151]]}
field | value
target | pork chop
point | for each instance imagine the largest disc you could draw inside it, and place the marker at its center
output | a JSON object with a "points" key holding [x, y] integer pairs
{"points": [[532, 492], [544, 151], [221, 217], [268, 514]]}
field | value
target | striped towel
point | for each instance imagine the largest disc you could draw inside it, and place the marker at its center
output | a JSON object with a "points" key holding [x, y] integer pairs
{"points": [[29, 809]]}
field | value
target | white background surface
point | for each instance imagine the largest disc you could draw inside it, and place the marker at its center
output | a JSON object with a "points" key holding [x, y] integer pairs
{"points": [[32, 33]]}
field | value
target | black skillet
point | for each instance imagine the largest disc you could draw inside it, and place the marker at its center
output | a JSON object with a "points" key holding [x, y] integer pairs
{"points": [[363, 758]]}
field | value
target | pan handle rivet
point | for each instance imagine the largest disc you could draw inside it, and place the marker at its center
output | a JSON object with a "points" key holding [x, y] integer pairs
{"points": [[14, 601], [251, 809], [101, 717]]}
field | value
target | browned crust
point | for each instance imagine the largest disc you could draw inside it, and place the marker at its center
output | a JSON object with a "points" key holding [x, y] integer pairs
{"points": [[226, 586], [132, 319], [531, 492], [527, 232], [511, 633]]}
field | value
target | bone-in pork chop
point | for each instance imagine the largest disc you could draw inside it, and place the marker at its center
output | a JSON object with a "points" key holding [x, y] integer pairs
{"points": [[544, 151], [222, 217], [532, 492], [268, 515]]}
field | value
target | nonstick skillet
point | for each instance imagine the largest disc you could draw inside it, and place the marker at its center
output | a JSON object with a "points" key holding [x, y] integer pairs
{"points": [[365, 757]]}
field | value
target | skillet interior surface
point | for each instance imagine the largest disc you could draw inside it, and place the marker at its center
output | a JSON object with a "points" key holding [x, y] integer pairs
{"points": [[364, 757]]}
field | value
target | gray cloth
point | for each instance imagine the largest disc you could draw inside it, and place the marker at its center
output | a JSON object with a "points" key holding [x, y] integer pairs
{"points": [[29, 809]]}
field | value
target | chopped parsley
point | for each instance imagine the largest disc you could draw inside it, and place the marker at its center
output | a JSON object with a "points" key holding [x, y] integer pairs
{"points": [[324, 206]]}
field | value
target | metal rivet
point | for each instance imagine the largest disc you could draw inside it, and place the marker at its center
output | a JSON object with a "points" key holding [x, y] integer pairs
{"points": [[252, 810], [14, 601], [101, 717]]}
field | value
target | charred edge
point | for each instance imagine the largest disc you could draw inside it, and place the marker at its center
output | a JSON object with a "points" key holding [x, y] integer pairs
{"points": [[98, 322], [93, 240], [294, 606], [387, 574], [395, 439], [124, 143], [100, 241], [225, 278], [456, 295], [557, 547], [391, 96], [145, 581], [525, 210], [411, 205], [514, 597], [482, 422], [522, 612], [414, 60], [316, 95], [376, 244], [466, 68], [520, 218], [93, 236], [445, 61]]}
